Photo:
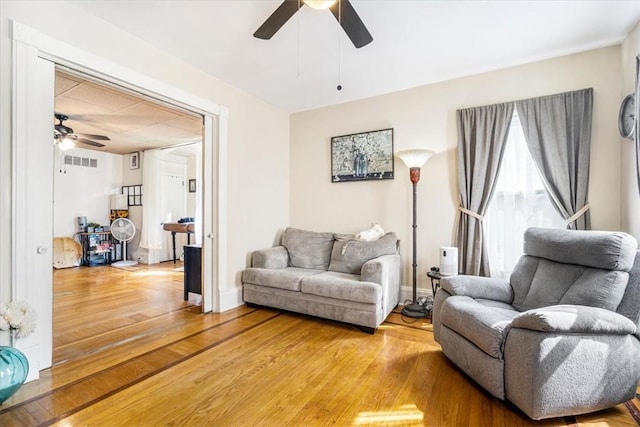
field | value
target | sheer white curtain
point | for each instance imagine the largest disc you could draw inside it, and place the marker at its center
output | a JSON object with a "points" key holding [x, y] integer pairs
{"points": [[151, 236], [520, 201]]}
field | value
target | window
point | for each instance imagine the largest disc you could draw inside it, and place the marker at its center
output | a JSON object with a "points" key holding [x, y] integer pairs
{"points": [[519, 202]]}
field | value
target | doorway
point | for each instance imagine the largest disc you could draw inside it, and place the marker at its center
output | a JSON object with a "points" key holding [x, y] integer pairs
{"points": [[101, 134], [32, 150]]}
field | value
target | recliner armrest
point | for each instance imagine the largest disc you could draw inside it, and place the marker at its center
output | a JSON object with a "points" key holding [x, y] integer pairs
{"points": [[478, 287], [271, 258], [577, 319]]}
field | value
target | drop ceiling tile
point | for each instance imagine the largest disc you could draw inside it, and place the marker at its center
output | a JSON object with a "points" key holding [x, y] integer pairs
{"points": [[76, 109], [64, 83], [106, 98], [132, 123], [188, 123], [151, 113], [161, 131]]}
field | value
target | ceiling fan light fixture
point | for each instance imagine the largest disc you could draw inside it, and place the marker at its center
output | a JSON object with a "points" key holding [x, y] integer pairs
{"points": [[319, 4], [66, 144], [342, 10]]}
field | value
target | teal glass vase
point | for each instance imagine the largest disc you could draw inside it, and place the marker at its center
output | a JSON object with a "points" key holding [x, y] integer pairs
{"points": [[14, 368]]}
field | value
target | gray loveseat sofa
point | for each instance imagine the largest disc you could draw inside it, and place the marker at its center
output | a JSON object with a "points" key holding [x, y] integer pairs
{"points": [[327, 275], [561, 337]]}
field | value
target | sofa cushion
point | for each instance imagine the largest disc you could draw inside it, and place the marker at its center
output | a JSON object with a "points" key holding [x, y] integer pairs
{"points": [[349, 254], [275, 258], [485, 323], [284, 278], [308, 249], [342, 286]]}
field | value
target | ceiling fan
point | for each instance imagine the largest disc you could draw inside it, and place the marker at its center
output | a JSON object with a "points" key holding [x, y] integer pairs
{"points": [[341, 9], [64, 134]]}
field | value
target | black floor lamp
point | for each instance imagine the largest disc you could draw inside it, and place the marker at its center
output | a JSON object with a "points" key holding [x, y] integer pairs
{"points": [[414, 159]]}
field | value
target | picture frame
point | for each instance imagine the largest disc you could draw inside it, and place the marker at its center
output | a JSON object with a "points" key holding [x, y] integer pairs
{"points": [[362, 156], [134, 160], [192, 186]]}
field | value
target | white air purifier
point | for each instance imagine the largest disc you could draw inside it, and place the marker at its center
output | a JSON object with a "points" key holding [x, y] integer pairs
{"points": [[448, 261]]}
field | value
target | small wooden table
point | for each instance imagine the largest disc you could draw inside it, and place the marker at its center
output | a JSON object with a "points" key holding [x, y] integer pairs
{"points": [[179, 227]]}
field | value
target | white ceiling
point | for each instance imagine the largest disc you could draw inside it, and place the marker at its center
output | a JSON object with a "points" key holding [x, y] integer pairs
{"points": [[416, 42], [131, 122]]}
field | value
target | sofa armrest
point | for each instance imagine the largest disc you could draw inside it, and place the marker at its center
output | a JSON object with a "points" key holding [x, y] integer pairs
{"points": [[478, 287], [272, 258], [381, 269], [574, 319], [384, 270]]}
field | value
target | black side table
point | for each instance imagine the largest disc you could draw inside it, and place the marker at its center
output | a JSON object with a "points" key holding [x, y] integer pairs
{"points": [[435, 277], [192, 270]]}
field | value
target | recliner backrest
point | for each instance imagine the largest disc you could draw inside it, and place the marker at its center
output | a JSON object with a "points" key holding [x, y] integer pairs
{"points": [[573, 267], [630, 305]]}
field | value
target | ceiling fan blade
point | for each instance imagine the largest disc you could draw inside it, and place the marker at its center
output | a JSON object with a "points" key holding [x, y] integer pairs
{"points": [[277, 19], [88, 142], [351, 23], [91, 136]]}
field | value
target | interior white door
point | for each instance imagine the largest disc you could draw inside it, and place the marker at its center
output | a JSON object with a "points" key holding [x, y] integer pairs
{"points": [[33, 158]]}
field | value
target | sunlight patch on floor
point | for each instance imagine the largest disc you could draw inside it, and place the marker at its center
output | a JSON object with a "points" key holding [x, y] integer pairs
{"points": [[401, 416]]}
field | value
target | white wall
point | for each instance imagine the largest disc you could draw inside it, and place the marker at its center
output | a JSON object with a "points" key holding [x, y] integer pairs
{"points": [[630, 209], [258, 140], [424, 117], [84, 191]]}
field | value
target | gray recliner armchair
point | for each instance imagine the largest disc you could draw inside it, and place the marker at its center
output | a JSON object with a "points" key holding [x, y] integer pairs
{"points": [[562, 336]]}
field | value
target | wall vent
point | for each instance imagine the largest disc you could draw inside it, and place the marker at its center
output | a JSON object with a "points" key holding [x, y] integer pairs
{"points": [[80, 161]]}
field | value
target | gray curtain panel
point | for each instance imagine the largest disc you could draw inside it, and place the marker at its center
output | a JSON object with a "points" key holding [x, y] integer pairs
{"points": [[557, 129], [482, 135]]}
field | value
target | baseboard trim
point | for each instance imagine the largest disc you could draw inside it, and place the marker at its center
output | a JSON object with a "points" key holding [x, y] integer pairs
{"points": [[230, 298], [406, 293]]}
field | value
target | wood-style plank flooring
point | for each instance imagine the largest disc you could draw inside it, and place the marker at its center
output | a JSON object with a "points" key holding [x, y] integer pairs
{"points": [[129, 351]]}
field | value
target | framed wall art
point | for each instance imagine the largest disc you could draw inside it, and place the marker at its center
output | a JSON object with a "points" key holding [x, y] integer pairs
{"points": [[192, 186], [134, 160], [362, 156]]}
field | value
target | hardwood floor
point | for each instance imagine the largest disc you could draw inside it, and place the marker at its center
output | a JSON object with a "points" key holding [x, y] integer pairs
{"points": [[130, 352]]}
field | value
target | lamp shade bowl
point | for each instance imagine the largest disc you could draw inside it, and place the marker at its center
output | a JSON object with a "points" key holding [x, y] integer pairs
{"points": [[414, 158]]}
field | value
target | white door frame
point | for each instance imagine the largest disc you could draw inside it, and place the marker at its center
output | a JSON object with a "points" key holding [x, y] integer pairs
{"points": [[30, 48]]}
